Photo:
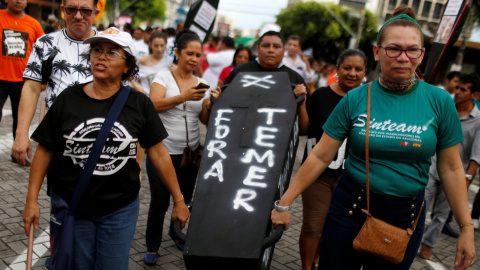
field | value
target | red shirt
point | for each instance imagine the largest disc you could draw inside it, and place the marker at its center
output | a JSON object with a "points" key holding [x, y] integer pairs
{"points": [[206, 48], [225, 72]]}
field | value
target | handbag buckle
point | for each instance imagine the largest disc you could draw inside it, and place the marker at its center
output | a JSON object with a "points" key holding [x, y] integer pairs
{"points": [[387, 241]]}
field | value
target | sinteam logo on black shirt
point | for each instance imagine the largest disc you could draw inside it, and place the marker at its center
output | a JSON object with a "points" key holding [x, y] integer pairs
{"points": [[120, 146]]}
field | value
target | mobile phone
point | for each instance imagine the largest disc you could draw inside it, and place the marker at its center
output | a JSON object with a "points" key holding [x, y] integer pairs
{"points": [[202, 85]]}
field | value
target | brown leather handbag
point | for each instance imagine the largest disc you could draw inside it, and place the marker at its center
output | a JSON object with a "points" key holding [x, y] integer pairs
{"points": [[377, 237]]}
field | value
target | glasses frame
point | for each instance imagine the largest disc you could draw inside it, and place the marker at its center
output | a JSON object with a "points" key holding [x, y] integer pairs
{"points": [[108, 54], [72, 11], [401, 51]]}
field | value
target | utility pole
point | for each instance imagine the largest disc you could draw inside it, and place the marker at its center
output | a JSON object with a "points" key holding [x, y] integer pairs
{"points": [[466, 33], [360, 29]]}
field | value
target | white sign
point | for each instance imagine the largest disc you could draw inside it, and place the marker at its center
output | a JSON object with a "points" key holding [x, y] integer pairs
{"points": [[445, 29], [205, 16], [453, 7], [199, 31]]}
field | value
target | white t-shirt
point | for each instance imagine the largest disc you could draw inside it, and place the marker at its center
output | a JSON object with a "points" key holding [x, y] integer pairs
{"points": [[68, 66], [146, 74], [142, 49], [170, 45], [300, 67], [173, 119], [217, 61]]}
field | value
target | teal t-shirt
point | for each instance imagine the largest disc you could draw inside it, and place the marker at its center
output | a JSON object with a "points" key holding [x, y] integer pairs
{"points": [[406, 128]]}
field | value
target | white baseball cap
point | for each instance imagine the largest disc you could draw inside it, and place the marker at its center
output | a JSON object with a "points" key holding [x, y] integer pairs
{"points": [[112, 34]]}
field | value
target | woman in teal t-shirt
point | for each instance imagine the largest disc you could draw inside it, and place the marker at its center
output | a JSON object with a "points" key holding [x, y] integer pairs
{"points": [[410, 121]]}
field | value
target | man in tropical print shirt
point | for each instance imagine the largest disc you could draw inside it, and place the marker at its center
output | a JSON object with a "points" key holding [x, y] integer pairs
{"points": [[60, 54]]}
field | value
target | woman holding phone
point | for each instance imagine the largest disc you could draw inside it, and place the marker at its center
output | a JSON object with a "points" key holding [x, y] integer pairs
{"points": [[181, 99]]}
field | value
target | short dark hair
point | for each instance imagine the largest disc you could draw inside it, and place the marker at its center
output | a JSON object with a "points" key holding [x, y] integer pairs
{"points": [[473, 79], [215, 38], [229, 42], [272, 33], [453, 74], [295, 37], [170, 31], [351, 52], [132, 71], [184, 37]]}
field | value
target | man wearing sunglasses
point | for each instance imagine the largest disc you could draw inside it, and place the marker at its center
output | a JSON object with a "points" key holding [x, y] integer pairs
{"points": [[55, 62]]}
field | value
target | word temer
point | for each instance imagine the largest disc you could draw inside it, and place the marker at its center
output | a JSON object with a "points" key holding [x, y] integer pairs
{"points": [[264, 135]]}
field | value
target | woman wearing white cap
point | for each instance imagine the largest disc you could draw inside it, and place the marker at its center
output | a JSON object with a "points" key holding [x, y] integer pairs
{"points": [[106, 217]]}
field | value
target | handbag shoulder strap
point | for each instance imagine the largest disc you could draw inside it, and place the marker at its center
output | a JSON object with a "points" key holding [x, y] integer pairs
{"points": [[367, 165], [184, 109], [97, 149]]}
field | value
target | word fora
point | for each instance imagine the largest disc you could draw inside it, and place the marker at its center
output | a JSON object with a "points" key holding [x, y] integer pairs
{"points": [[255, 173]]}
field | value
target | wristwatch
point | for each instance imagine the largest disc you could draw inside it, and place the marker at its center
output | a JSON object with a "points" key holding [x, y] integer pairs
{"points": [[281, 208], [469, 177]]}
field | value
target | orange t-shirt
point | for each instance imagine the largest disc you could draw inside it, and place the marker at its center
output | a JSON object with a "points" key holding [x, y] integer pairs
{"points": [[17, 36]]}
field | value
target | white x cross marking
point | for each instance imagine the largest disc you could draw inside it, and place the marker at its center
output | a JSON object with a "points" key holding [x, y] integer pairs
{"points": [[250, 80]]}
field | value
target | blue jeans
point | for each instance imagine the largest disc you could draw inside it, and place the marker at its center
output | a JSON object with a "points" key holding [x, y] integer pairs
{"points": [[345, 219], [440, 208], [160, 198], [104, 242]]}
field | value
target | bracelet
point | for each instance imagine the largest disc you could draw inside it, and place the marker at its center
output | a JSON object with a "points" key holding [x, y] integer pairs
{"points": [[281, 208], [179, 200], [465, 224]]}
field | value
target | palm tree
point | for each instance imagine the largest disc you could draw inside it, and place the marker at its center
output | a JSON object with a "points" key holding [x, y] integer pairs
{"points": [[63, 66], [33, 67], [73, 84], [53, 49], [46, 39], [38, 51], [50, 100], [79, 68], [51, 84]]}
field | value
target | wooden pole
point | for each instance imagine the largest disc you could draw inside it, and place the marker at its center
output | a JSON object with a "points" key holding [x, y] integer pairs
{"points": [[31, 237]]}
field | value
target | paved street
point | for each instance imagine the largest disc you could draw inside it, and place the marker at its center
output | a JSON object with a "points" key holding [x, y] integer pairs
{"points": [[13, 242]]}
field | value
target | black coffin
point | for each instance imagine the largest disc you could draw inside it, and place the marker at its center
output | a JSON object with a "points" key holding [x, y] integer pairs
{"points": [[250, 148]]}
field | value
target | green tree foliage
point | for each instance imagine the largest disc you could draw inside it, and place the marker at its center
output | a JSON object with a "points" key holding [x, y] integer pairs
{"points": [[321, 31], [146, 10]]}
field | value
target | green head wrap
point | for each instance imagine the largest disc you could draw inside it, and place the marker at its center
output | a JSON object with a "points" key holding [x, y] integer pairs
{"points": [[401, 16]]}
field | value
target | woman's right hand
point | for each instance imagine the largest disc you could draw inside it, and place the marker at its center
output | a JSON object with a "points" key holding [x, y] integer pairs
{"points": [[30, 216], [180, 212], [194, 94], [280, 218]]}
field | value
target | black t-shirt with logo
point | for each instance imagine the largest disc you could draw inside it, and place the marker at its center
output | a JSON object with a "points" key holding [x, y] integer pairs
{"points": [[69, 129], [319, 107]]}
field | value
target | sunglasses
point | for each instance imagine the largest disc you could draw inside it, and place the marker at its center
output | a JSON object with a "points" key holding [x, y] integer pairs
{"points": [[73, 11]]}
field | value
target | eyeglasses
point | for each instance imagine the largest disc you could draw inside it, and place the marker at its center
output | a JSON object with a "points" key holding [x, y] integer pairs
{"points": [[394, 52], [110, 55], [73, 11]]}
